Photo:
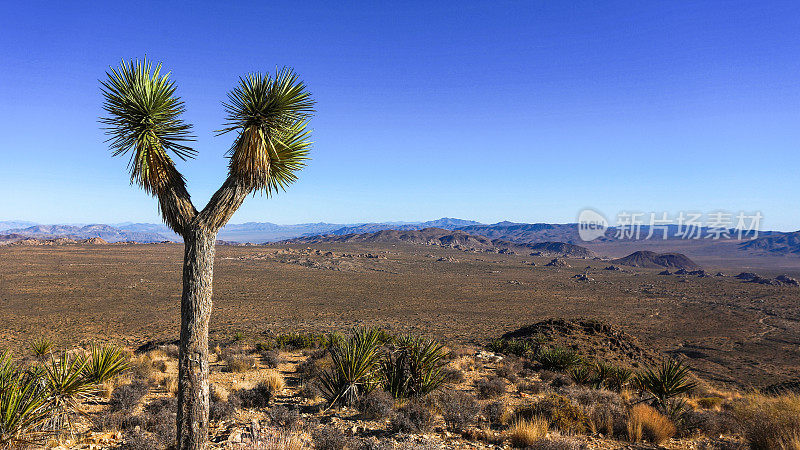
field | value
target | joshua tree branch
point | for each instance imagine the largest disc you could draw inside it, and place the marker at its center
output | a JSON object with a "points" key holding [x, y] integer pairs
{"points": [[223, 204], [176, 206]]}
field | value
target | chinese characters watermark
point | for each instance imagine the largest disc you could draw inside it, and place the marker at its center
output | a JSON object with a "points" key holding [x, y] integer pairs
{"points": [[684, 225]]}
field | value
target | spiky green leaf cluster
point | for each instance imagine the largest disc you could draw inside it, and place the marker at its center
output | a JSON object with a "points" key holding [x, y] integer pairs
{"points": [[270, 115], [105, 362], [671, 379], [354, 363], [24, 405], [143, 119]]}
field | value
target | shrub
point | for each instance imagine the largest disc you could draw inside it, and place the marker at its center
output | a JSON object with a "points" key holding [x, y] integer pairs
{"points": [[274, 380], [508, 370], [257, 397], [708, 423], [458, 409], [770, 422], [498, 413], [105, 362], [284, 417], [313, 368], [139, 440], [710, 402], [220, 410], [490, 387], [239, 362], [452, 375], [159, 419], [127, 396], [605, 410], [377, 404], [413, 417], [532, 387], [271, 359], [299, 341], [557, 358], [329, 438], [559, 411], [646, 423], [669, 380], [309, 391], [354, 362], [524, 433]]}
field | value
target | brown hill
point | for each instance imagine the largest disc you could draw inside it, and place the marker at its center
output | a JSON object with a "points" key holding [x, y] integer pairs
{"points": [[652, 260], [558, 249], [453, 239], [590, 338], [784, 244]]}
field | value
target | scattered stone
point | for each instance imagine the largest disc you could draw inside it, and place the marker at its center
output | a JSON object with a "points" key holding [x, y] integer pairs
{"points": [[612, 267], [787, 280], [583, 277], [747, 276], [557, 263]]}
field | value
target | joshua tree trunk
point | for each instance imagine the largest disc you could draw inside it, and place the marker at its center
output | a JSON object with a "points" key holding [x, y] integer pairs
{"points": [[198, 270]]}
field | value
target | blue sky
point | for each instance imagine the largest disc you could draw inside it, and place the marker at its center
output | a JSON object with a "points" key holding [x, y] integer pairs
{"points": [[525, 111]]}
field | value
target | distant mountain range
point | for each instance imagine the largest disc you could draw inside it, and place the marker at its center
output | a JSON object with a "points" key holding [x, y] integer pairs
{"points": [[457, 239], [768, 242]]}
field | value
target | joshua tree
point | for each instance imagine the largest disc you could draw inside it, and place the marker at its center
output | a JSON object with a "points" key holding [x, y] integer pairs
{"points": [[269, 115]]}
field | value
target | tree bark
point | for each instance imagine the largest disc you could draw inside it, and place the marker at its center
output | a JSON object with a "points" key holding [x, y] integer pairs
{"points": [[193, 370]]}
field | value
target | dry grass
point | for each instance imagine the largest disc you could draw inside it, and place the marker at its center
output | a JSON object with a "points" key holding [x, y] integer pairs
{"points": [[770, 422], [239, 363], [645, 423], [274, 380], [524, 433], [219, 393]]}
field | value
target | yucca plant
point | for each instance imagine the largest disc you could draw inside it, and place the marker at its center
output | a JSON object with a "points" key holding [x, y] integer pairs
{"points": [[65, 385], [353, 372], [41, 347], [268, 115], [618, 378], [105, 362], [671, 379], [581, 374], [414, 367], [602, 371], [25, 407], [557, 358]]}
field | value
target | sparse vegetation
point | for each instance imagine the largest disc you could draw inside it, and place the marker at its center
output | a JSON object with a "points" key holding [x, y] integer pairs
{"points": [[770, 422], [646, 423], [457, 408], [559, 411], [668, 381], [490, 387], [413, 417], [557, 358], [524, 433]]}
